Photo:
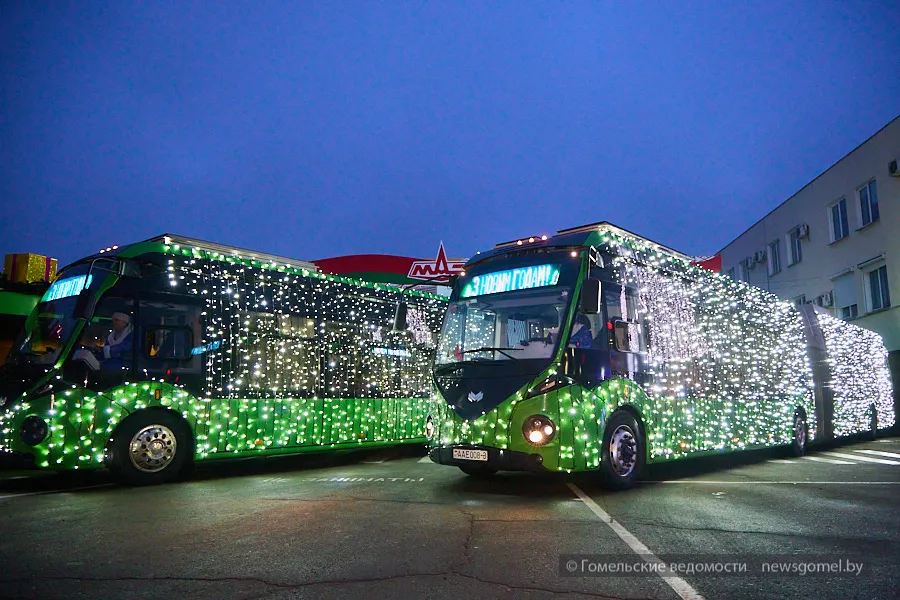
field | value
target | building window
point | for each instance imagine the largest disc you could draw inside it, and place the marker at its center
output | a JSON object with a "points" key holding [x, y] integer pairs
{"points": [[878, 288], [795, 252], [845, 298], [868, 203], [799, 300], [775, 257], [839, 227], [849, 312], [731, 273]]}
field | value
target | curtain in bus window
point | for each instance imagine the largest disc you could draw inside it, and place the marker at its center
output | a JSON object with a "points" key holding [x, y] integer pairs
{"points": [[279, 355]]}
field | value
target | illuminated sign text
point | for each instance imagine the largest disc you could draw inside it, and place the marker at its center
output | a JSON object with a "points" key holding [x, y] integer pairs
{"points": [[64, 288], [511, 280]]}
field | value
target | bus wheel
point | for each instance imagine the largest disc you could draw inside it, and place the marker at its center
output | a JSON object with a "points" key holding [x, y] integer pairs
{"points": [[800, 434], [478, 472], [623, 454], [149, 447]]}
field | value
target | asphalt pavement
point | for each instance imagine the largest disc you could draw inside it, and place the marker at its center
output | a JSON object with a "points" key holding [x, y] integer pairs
{"points": [[391, 524]]}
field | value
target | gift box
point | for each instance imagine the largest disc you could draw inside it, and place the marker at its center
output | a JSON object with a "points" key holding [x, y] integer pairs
{"points": [[29, 268]]}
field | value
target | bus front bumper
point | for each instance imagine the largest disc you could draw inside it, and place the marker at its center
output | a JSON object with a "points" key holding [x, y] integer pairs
{"points": [[487, 458], [16, 460]]}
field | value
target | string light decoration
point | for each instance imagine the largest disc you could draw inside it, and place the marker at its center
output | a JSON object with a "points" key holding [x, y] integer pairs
{"points": [[860, 376], [726, 368], [288, 360]]}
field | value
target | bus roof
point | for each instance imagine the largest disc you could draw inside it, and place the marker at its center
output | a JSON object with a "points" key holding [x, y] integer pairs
{"points": [[169, 243], [175, 240], [583, 235], [180, 240]]}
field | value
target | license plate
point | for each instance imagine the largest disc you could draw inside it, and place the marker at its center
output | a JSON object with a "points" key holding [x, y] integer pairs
{"points": [[466, 454]]}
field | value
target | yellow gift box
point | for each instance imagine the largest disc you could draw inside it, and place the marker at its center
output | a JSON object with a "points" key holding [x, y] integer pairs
{"points": [[29, 268]]}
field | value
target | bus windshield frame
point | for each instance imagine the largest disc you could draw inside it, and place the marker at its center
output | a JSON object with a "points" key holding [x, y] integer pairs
{"points": [[520, 318]]}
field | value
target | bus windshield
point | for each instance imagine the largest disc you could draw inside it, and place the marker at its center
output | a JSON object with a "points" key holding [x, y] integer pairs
{"points": [[508, 314], [54, 323]]}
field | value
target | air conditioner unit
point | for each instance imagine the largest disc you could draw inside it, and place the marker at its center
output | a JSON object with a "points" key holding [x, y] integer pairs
{"points": [[827, 299], [893, 169], [750, 261], [760, 256], [803, 230]]}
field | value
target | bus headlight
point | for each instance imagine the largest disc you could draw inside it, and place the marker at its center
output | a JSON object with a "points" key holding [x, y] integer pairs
{"points": [[429, 428], [33, 430], [538, 430]]}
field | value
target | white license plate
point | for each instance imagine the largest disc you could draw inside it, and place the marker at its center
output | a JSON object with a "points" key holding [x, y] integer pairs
{"points": [[466, 454]]}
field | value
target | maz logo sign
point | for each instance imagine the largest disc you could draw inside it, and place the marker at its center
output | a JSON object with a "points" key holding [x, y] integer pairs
{"points": [[438, 270]]}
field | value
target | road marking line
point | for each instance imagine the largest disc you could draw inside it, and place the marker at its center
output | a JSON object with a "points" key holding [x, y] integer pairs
{"points": [[830, 461], [880, 461], [880, 453], [708, 482], [784, 461], [679, 585], [886, 441], [425, 460], [87, 487]]}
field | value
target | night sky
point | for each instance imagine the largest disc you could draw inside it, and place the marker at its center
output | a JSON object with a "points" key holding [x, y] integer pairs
{"points": [[313, 130]]}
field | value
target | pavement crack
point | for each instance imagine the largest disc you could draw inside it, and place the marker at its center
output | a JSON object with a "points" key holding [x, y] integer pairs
{"points": [[467, 544]]}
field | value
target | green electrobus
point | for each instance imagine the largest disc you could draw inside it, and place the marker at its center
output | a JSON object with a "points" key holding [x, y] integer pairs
{"points": [[596, 349], [147, 357]]}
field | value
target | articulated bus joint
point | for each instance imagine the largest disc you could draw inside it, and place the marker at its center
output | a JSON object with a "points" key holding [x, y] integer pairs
{"points": [[496, 459]]}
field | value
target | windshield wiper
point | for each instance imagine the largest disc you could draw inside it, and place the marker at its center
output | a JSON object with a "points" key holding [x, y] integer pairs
{"points": [[449, 367], [493, 349]]}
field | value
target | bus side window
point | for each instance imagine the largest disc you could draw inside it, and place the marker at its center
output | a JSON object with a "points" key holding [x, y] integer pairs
{"points": [[168, 335], [168, 343], [629, 336]]}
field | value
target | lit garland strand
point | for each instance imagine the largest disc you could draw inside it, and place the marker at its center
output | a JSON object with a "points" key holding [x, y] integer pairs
{"points": [[860, 377]]}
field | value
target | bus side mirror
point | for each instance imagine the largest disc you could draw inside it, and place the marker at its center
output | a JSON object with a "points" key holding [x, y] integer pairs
{"points": [[400, 316], [590, 296], [85, 305]]}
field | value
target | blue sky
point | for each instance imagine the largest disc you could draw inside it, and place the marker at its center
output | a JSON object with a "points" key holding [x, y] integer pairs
{"points": [[313, 130]]}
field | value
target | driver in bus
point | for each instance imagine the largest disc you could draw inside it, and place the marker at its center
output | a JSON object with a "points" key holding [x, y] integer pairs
{"points": [[111, 356]]}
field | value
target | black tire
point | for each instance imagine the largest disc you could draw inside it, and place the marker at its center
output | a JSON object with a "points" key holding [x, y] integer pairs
{"points": [[150, 447], [624, 453], [478, 472], [799, 434]]}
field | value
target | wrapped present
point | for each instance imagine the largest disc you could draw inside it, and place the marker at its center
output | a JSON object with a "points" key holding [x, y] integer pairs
{"points": [[29, 268]]}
